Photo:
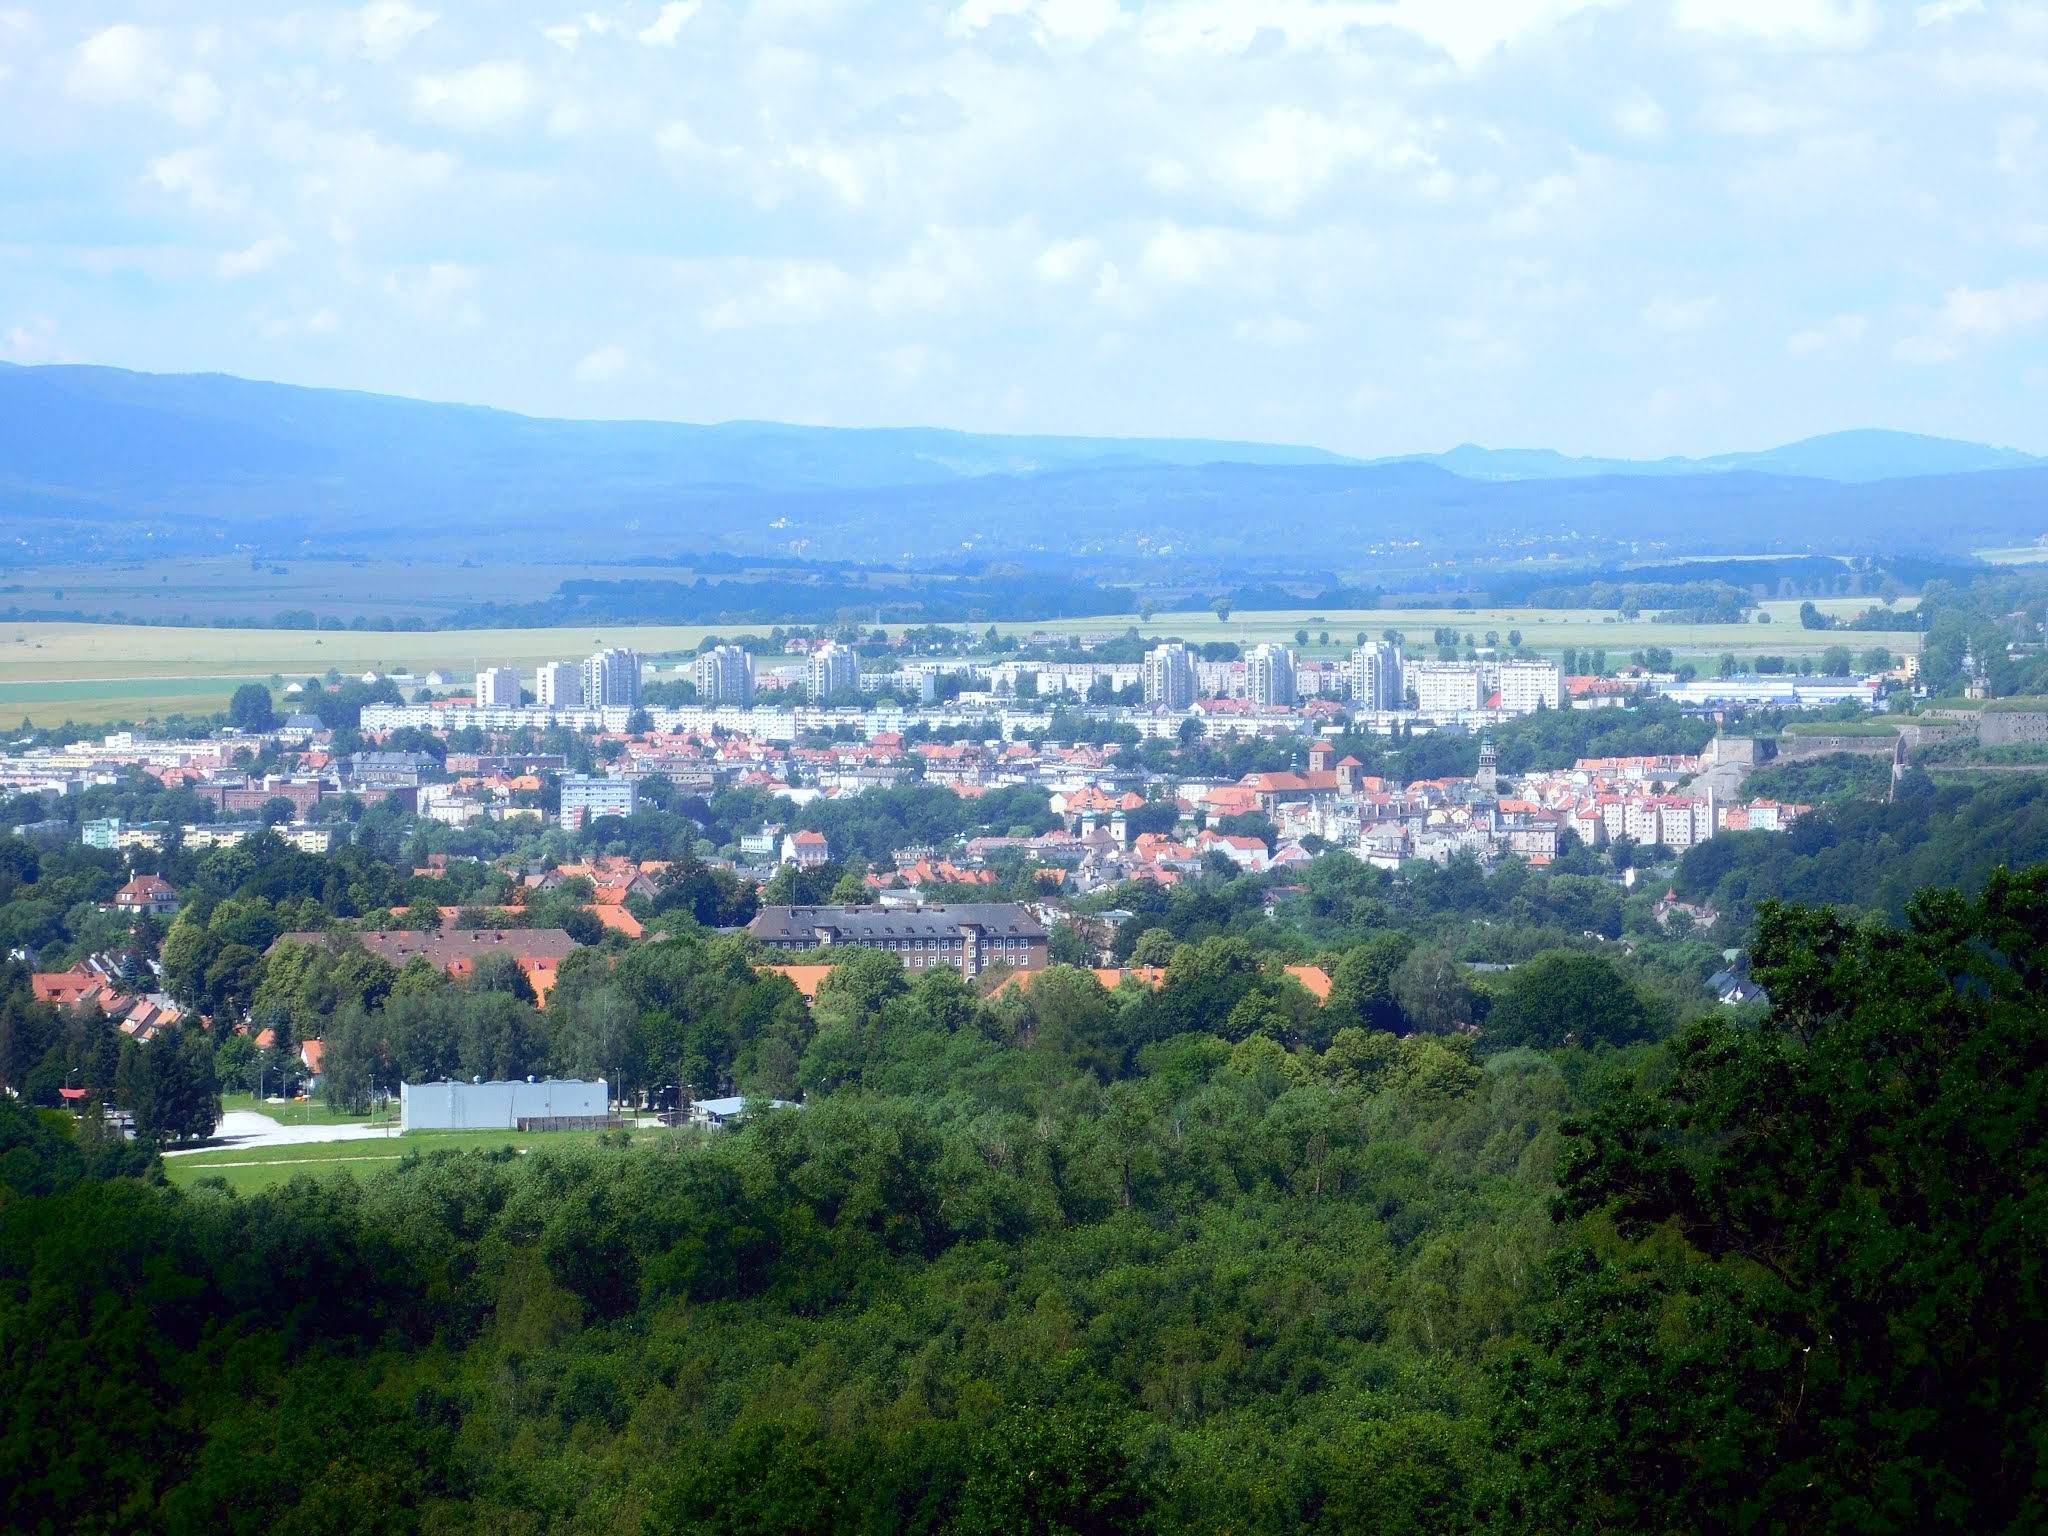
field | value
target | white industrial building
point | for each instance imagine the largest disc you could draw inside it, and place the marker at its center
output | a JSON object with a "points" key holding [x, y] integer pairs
{"points": [[501, 1106]]}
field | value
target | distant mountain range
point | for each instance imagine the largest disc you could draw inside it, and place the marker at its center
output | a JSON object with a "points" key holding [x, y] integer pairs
{"points": [[1854, 457], [97, 460]]}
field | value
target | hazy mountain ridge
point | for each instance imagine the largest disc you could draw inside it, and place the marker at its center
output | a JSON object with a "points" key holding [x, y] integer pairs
{"points": [[99, 458]]}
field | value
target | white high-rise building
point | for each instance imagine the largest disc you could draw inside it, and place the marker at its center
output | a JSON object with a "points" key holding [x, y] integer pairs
{"points": [[1376, 681], [725, 675], [559, 685], [1447, 687], [1269, 675], [1169, 676], [833, 667], [610, 678], [498, 688], [1527, 686]]}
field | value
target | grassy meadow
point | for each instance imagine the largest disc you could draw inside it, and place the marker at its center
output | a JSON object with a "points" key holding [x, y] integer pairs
{"points": [[247, 1169]]}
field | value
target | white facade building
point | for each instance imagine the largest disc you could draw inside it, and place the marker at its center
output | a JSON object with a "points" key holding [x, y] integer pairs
{"points": [[1169, 676], [1269, 675], [833, 667], [497, 1106], [611, 677], [1376, 677], [558, 685], [1447, 687], [585, 797], [1527, 686], [497, 687], [725, 675]]}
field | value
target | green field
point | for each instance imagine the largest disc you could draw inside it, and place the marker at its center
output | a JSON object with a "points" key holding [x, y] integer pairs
{"points": [[1546, 629], [247, 1169], [102, 672]]}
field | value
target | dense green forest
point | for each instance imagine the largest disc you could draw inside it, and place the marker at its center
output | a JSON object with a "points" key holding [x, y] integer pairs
{"points": [[1014, 1269]]}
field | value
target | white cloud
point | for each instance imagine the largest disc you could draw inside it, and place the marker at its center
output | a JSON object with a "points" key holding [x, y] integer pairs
{"points": [[784, 292], [383, 29], [663, 31], [32, 341], [1064, 260], [125, 65], [1976, 316], [1291, 155], [485, 96], [442, 292], [18, 31], [1944, 10], [1272, 330], [194, 175], [259, 257], [1824, 24], [603, 365], [1076, 23], [913, 362], [1641, 116], [1667, 314], [1837, 333]]}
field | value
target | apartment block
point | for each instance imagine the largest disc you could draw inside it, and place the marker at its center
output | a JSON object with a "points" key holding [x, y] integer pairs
{"points": [[1269, 675], [611, 677], [585, 797], [833, 667], [1169, 676], [559, 685], [1527, 686], [725, 675], [497, 688], [1376, 678]]}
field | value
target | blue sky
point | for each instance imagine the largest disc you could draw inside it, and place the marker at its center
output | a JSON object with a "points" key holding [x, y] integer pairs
{"points": [[1638, 227]]}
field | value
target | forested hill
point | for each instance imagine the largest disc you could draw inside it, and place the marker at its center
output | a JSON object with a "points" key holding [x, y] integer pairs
{"points": [[1547, 1252], [95, 461]]}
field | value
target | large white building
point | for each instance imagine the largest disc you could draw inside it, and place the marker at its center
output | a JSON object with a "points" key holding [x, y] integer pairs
{"points": [[559, 685], [1376, 680], [833, 667], [1447, 687], [1169, 676], [497, 687], [585, 797], [725, 675], [1269, 675], [1527, 686], [611, 677]]}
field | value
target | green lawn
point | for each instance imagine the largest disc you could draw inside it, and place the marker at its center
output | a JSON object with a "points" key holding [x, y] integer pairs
{"points": [[297, 1112], [248, 1169]]}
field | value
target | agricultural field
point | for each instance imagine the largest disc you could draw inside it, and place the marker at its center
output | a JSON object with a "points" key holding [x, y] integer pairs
{"points": [[51, 672], [1547, 629], [96, 672]]}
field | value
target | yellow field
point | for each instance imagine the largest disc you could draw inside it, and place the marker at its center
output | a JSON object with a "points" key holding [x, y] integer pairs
{"points": [[100, 672]]}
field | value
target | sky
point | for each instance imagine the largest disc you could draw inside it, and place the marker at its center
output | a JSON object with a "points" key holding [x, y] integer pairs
{"points": [[1632, 227]]}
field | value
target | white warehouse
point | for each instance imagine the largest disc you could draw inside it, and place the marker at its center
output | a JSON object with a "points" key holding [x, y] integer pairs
{"points": [[500, 1106]]}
